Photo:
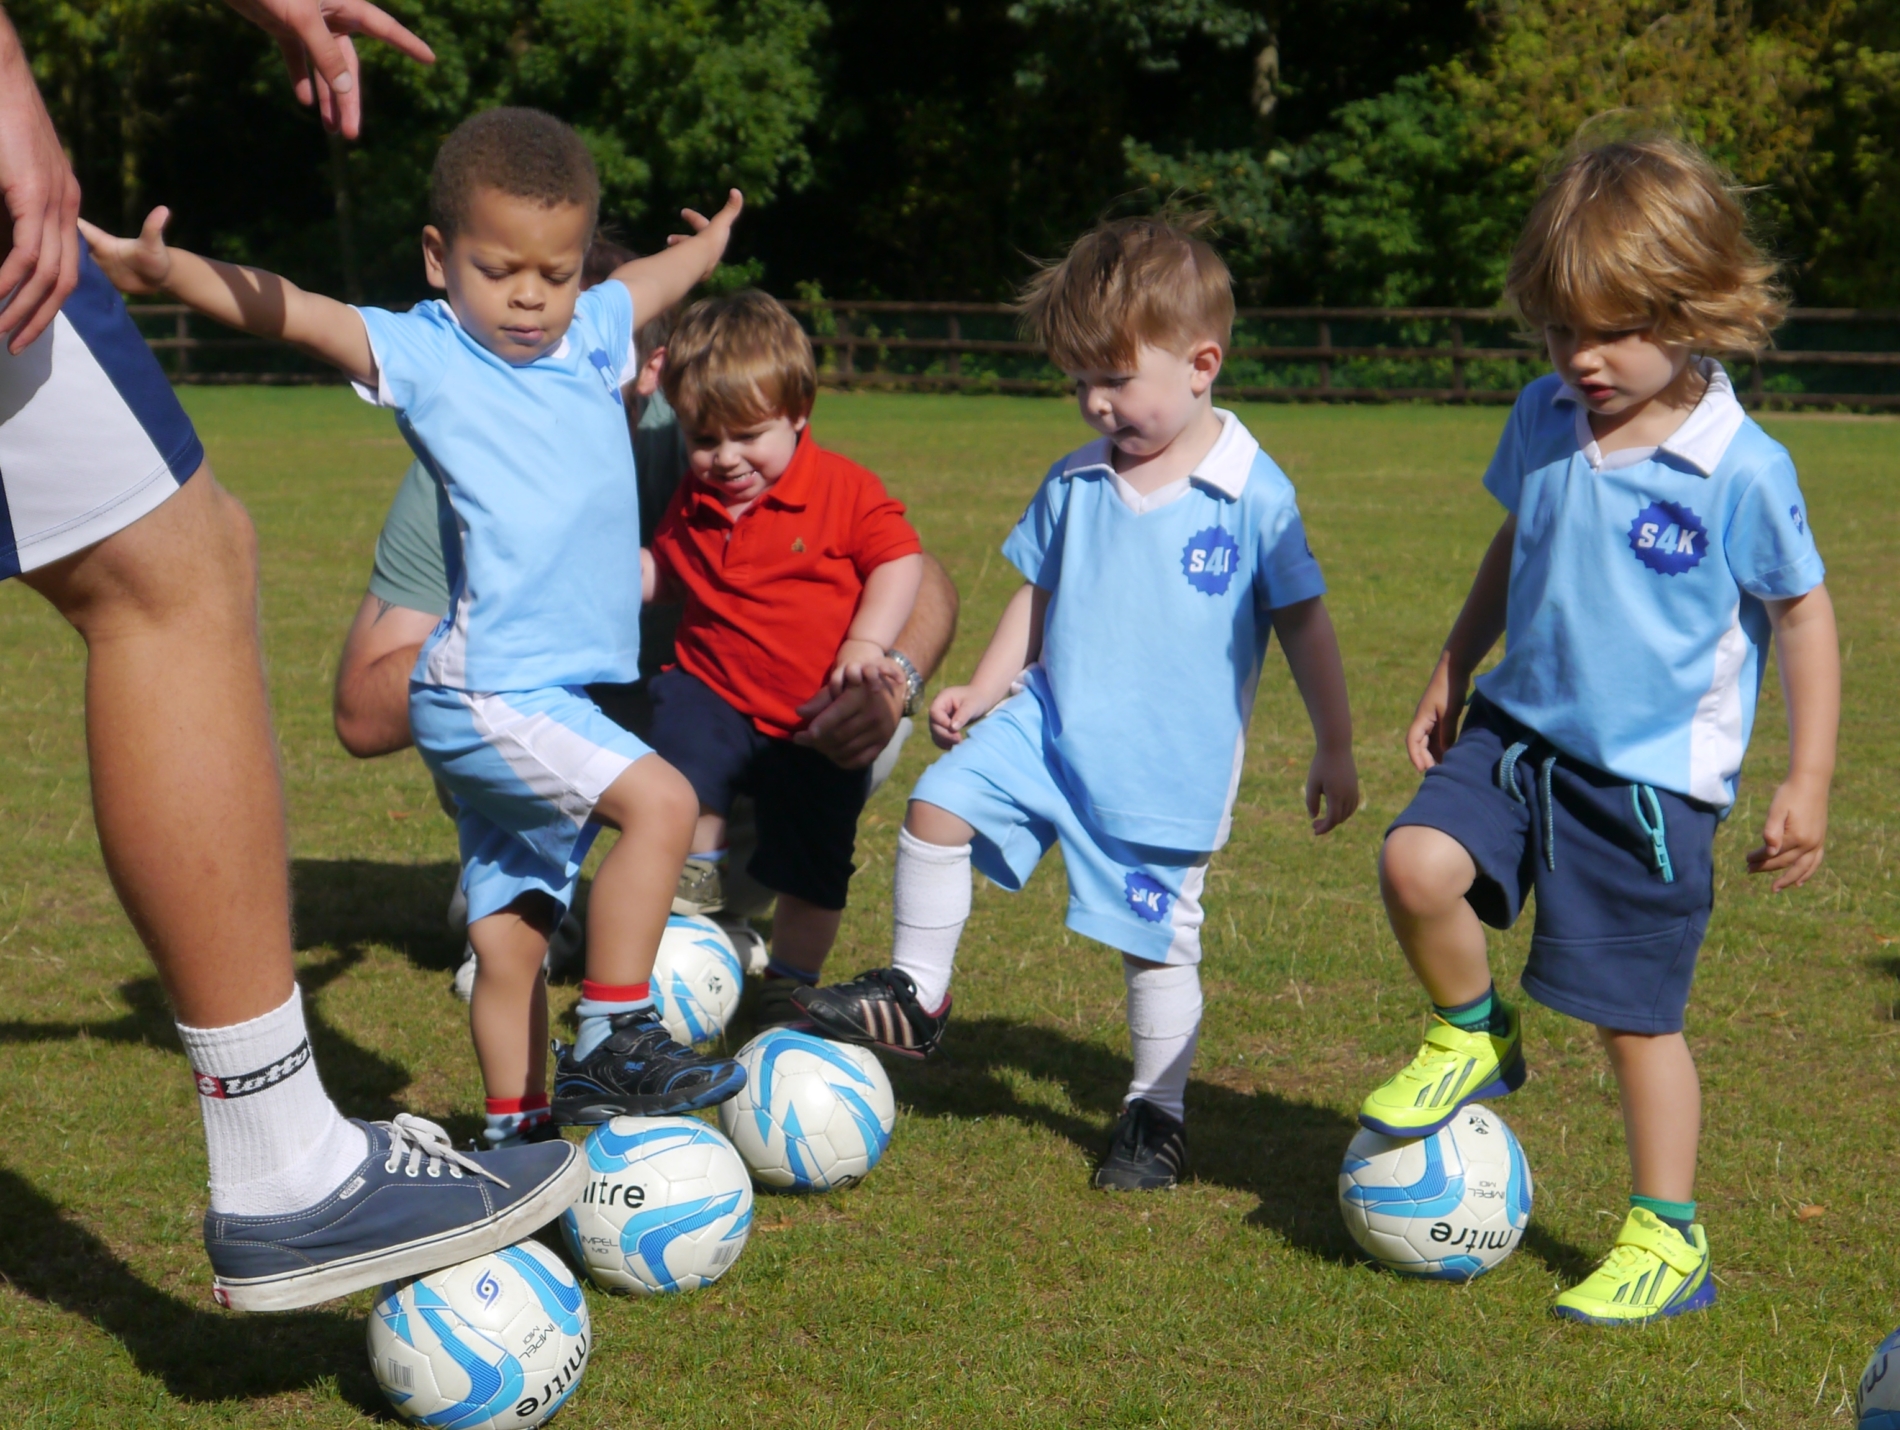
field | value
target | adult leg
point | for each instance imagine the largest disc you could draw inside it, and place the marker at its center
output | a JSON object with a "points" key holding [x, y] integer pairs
{"points": [[185, 785]]}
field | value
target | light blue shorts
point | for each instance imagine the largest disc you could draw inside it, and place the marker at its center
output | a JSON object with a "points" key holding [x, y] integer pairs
{"points": [[526, 768], [1005, 782]]}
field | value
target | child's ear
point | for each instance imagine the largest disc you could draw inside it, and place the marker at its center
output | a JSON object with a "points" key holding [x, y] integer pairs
{"points": [[1204, 360], [648, 382], [799, 424], [435, 257]]}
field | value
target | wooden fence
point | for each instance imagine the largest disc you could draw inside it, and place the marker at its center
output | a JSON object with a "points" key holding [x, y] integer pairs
{"points": [[1826, 357]]}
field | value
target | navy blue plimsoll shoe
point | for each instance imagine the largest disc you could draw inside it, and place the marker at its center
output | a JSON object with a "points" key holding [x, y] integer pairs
{"points": [[414, 1204], [639, 1071]]}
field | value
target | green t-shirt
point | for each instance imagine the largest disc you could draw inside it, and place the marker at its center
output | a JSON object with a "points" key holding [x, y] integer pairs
{"points": [[410, 571]]}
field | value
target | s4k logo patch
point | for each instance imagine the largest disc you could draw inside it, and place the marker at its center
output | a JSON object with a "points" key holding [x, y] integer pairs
{"points": [[1668, 538], [1147, 896], [1209, 561]]}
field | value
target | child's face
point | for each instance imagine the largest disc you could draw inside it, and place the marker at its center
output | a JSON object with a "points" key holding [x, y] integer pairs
{"points": [[1145, 408], [740, 464], [512, 271], [1615, 371]]}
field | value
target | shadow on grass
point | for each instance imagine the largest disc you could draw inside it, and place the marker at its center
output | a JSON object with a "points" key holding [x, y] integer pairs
{"points": [[351, 904], [363, 1082], [198, 1353], [1282, 1151]]}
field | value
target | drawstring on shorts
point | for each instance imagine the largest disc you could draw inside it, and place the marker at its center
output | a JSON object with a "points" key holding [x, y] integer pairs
{"points": [[1507, 781], [1651, 819]]}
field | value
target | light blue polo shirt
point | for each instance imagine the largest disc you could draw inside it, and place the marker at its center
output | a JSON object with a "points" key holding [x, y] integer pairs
{"points": [[1155, 630], [541, 535], [1636, 631]]}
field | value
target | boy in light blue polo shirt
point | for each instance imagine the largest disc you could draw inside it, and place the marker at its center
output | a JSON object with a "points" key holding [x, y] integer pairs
{"points": [[509, 393], [1118, 686], [1656, 539]]}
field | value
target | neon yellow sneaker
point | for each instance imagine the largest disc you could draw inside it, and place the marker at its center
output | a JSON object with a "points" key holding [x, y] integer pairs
{"points": [[1653, 1271], [1453, 1068]]}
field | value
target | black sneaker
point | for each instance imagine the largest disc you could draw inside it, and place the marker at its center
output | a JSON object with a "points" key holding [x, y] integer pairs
{"points": [[878, 1009], [768, 1004], [1149, 1152], [640, 1071]]}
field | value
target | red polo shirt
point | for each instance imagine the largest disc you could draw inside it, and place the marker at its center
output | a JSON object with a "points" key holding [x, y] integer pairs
{"points": [[770, 596]]}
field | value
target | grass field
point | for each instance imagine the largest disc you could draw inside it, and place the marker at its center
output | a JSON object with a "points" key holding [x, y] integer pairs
{"points": [[975, 1279]]}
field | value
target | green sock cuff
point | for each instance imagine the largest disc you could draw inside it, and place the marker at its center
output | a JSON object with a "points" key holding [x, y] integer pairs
{"points": [[1680, 1215], [1472, 1017]]}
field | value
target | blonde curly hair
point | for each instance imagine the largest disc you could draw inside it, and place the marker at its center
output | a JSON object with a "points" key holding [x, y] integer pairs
{"points": [[1646, 233]]}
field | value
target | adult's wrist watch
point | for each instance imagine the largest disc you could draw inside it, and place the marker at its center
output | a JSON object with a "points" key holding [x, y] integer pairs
{"points": [[913, 682]]}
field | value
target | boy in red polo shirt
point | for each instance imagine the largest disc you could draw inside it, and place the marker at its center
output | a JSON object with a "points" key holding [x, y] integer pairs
{"points": [[796, 570]]}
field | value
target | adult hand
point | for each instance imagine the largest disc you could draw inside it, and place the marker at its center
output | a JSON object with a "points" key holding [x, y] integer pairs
{"points": [[314, 36], [42, 203], [851, 727]]}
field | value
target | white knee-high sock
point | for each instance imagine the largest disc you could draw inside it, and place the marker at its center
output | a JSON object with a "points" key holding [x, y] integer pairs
{"points": [[1164, 1023], [276, 1142], [930, 903]]}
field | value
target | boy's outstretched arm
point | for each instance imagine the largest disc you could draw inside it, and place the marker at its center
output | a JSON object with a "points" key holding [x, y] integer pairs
{"points": [[1011, 651], [248, 299], [889, 593], [1795, 833], [1312, 654], [1434, 727], [660, 280]]}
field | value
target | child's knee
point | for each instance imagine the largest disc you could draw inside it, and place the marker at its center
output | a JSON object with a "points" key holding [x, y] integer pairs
{"points": [[935, 825], [652, 793], [1424, 872]]}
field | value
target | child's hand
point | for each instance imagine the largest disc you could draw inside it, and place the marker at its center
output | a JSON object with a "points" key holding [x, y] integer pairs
{"points": [[955, 709], [1336, 778], [137, 266], [1434, 727], [1793, 835], [717, 230], [862, 663]]}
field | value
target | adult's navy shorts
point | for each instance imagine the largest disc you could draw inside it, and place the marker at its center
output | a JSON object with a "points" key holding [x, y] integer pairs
{"points": [[1624, 874], [807, 807]]}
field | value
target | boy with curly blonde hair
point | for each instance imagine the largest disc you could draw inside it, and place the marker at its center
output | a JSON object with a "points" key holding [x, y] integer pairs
{"points": [[1656, 541]]}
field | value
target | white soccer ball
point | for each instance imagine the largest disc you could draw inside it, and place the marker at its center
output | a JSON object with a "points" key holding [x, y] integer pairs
{"points": [[1450, 1206], [500, 1341], [668, 1206], [697, 979], [1877, 1401], [813, 1116]]}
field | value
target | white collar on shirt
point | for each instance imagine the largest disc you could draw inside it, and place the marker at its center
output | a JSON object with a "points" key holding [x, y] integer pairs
{"points": [[1225, 468], [1701, 440]]}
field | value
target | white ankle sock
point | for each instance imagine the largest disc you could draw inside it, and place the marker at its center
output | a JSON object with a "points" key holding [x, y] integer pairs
{"points": [[276, 1142], [930, 903], [1164, 1023]]}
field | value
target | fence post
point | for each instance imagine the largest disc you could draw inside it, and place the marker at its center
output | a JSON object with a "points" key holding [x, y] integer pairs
{"points": [[1754, 385], [956, 354], [1457, 359], [181, 329], [1326, 356], [848, 351]]}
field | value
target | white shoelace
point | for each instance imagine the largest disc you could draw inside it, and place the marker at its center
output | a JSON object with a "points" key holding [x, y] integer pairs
{"points": [[428, 1146]]}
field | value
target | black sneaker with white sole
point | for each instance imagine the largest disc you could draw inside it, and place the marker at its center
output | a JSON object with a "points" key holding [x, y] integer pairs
{"points": [[1149, 1152], [639, 1071], [878, 1009]]}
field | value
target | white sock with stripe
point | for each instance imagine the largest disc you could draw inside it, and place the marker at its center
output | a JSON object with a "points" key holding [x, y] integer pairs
{"points": [[930, 903], [1164, 1024], [276, 1142]]}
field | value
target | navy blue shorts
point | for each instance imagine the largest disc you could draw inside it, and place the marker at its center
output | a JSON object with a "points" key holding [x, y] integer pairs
{"points": [[1624, 874], [807, 807]]}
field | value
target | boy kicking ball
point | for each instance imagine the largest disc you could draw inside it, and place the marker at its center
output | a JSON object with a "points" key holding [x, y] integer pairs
{"points": [[1156, 560], [1656, 540], [510, 393]]}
